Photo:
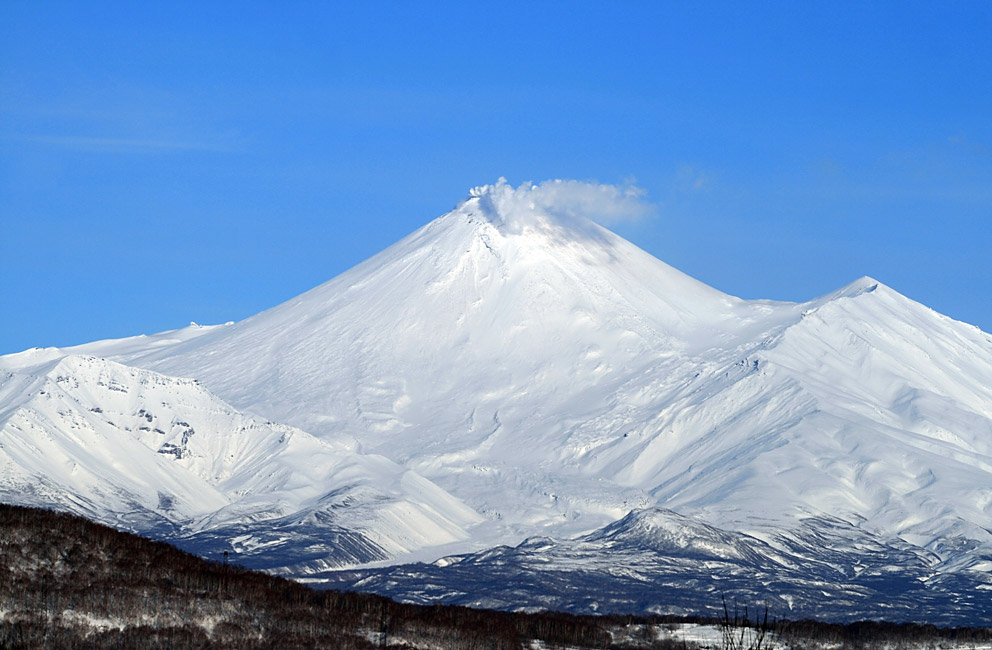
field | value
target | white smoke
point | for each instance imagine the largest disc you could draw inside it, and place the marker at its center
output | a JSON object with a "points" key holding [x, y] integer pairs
{"points": [[568, 200]]}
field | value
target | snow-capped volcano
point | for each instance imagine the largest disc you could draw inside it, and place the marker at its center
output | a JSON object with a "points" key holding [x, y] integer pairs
{"points": [[542, 373], [549, 372], [478, 349]]}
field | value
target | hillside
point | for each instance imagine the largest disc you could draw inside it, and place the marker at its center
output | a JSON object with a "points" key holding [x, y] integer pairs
{"points": [[67, 582]]}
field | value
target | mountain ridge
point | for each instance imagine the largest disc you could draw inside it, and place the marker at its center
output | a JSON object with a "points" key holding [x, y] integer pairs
{"points": [[548, 378]]}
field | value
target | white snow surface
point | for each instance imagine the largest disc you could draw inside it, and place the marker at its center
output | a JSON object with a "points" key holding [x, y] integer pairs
{"points": [[533, 367], [144, 450]]}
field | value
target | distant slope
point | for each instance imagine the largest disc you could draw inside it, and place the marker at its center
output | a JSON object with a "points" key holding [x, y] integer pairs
{"points": [[656, 561]]}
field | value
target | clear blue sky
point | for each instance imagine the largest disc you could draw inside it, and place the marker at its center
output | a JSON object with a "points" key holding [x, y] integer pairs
{"points": [[162, 162]]}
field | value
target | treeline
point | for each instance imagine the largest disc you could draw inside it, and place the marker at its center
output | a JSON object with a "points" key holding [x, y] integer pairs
{"points": [[66, 582], [865, 635], [814, 635]]}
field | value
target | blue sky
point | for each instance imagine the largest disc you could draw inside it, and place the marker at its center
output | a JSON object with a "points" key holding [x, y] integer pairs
{"points": [[168, 162]]}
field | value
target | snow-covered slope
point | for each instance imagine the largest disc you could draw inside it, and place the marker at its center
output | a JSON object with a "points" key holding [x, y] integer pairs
{"points": [[553, 377], [551, 374], [163, 455]]}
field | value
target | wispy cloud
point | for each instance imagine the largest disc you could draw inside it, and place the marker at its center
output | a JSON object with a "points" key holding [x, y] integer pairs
{"points": [[970, 145], [690, 178], [117, 145], [829, 167]]}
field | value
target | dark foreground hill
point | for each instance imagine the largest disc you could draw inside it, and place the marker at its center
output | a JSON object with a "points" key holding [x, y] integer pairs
{"points": [[66, 582]]}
